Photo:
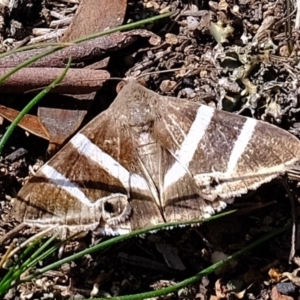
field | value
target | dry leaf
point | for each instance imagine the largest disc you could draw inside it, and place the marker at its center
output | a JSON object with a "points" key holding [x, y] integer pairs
{"points": [[275, 295]]}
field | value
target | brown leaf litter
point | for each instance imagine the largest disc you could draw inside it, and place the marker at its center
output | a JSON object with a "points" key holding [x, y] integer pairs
{"points": [[238, 56]]}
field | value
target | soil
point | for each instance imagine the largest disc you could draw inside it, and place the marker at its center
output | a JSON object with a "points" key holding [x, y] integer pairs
{"points": [[239, 56]]}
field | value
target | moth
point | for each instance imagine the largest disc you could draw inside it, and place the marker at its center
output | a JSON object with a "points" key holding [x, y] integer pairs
{"points": [[150, 159]]}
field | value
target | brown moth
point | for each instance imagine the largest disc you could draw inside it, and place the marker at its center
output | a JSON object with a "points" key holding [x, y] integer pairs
{"points": [[150, 159]]}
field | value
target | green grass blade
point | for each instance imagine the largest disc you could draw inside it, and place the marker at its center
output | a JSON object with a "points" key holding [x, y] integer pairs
{"points": [[167, 290], [122, 238], [36, 257], [125, 27], [198, 276], [10, 274], [34, 47], [30, 105], [16, 270]]}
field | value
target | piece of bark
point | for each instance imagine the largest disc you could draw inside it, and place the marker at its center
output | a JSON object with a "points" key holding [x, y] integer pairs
{"points": [[171, 256], [14, 156], [80, 53], [76, 81]]}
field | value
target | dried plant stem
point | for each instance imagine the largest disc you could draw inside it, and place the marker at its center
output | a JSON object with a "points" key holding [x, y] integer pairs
{"points": [[297, 20], [164, 291], [29, 106], [122, 238]]}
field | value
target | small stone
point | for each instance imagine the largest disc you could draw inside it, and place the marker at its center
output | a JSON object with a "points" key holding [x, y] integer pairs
{"points": [[171, 39], [268, 220], [167, 85], [19, 153], [286, 288], [192, 23]]}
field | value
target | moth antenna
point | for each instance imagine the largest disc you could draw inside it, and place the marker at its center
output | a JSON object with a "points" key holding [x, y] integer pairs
{"points": [[124, 79], [120, 85], [166, 71]]}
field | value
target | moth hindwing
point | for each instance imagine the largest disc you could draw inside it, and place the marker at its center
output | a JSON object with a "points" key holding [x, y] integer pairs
{"points": [[149, 159]]}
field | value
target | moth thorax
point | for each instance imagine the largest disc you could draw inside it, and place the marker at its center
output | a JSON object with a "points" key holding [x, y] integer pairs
{"points": [[140, 116]]}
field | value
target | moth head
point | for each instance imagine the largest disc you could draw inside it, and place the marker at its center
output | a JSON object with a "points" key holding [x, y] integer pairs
{"points": [[138, 111]]}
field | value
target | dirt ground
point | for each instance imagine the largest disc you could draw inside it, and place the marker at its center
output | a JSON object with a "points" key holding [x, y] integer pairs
{"points": [[240, 56]]}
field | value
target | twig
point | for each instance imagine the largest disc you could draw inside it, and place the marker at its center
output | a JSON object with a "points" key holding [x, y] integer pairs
{"points": [[11, 234], [294, 228], [297, 19], [31, 239], [77, 81]]}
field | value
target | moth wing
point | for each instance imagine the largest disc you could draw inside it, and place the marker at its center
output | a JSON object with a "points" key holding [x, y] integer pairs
{"points": [[85, 186], [219, 154]]}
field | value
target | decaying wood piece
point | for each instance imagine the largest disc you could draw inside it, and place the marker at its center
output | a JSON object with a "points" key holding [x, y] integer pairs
{"points": [[80, 53], [76, 81]]}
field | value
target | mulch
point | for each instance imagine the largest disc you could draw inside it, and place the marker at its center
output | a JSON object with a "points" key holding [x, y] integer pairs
{"points": [[240, 56]]}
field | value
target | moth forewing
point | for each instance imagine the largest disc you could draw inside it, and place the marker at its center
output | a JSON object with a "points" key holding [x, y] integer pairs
{"points": [[232, 155], [150, 159]]}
